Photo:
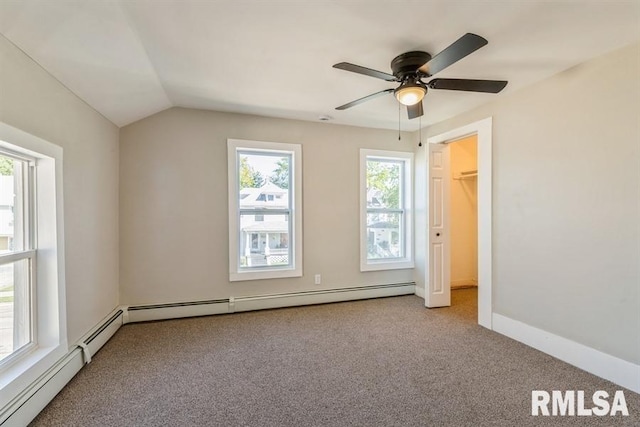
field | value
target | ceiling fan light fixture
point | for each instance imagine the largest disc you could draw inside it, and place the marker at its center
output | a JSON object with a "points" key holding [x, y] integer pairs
{"points": [[410, 93]]}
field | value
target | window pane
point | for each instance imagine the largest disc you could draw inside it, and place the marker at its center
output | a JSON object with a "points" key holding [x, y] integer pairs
{"points": [[15, 307], [384, 236], [263, 180], [383, 183], [264, 243], [12, 204]]}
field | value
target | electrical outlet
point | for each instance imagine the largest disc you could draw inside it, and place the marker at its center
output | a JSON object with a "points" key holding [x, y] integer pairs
{"points": [[318, 279]]}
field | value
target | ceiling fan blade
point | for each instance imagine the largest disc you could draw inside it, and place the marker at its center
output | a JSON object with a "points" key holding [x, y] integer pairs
{"points": [[489, 86], [415, 110], [462, 47], [361, 100], [366, 71]]}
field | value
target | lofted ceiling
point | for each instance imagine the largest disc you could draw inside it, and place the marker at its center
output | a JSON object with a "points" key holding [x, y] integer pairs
{"points": [[132, 58]]}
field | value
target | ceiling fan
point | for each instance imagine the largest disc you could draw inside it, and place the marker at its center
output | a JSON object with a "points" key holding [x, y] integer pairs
{"points": [[411, 67]]}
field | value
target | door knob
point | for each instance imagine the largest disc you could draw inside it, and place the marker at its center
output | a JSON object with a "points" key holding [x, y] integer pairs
{"points": [[437, 234]]}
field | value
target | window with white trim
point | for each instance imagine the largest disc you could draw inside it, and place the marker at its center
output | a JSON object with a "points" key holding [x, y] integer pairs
{"points": [[265, 210], [32, 316], [17, 255], [386, 220]]}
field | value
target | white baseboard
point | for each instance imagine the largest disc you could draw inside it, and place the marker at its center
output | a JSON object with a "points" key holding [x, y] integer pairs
{"points": [[43, 391], [143, 313], [420, 291], [616, 370], [261, 302], [24, 407]]}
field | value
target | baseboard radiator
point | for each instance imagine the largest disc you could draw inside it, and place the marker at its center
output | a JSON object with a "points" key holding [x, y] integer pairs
{"points": [[23, 408], [144, 313]]}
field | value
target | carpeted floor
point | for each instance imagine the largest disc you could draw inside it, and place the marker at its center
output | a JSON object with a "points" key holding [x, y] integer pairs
{"points": [[382, 362]]}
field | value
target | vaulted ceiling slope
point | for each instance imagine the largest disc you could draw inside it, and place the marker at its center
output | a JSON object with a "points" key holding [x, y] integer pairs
{"points": [[132, 58]]}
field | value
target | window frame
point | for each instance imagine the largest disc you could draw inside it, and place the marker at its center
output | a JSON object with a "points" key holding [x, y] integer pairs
{"points": [[28, 251], [236, 271], [406, 197], [49, 304]]}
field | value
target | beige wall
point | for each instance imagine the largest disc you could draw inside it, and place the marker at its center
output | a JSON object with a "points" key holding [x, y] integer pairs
{"points": [[463, 213], [566, 185], [174, 209], [33, 101]]}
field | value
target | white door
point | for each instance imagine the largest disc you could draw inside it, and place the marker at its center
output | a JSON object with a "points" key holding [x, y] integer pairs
{"points": [[438, 289]]}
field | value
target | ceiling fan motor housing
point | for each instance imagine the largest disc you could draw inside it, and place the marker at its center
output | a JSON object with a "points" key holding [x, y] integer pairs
{"points": [[407, 64]]}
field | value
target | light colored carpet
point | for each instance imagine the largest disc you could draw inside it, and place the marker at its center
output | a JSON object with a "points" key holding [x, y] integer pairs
{"points": [[382, 362]]}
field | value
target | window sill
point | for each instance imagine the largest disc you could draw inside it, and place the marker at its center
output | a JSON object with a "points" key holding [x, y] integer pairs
{"points": [[240, 276], [387, 265], [17, 376]]}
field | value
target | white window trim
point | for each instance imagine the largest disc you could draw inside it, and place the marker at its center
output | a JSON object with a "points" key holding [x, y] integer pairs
{"points": [[398, 263], [50, 308], [27, 211], [295, 270]]}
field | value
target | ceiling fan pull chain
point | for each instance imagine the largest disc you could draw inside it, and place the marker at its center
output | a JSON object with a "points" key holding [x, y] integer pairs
{"points": [[399, 108], [420, 125]]}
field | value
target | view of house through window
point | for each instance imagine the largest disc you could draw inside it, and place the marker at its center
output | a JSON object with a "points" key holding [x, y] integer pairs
{"points": [[16, 256], [265, 210], [385, 212], [264, 207]]}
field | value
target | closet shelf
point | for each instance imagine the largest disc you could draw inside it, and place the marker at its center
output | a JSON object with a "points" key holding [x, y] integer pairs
{"points": [[466, 174]]}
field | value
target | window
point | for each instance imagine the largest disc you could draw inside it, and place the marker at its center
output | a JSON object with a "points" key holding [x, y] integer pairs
{"points": [[32, 329], [17, 255], [385, 210], [265, 210]]}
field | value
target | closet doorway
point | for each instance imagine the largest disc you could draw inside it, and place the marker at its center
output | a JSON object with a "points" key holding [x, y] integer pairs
{"points": [[463, 212], [438, 249]]}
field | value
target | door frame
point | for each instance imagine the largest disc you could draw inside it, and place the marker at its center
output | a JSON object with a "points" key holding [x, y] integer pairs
{"points": [[483, 131]]}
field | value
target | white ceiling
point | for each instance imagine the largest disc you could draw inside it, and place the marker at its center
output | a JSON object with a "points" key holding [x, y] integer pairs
{"points": [[132, 58]]}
